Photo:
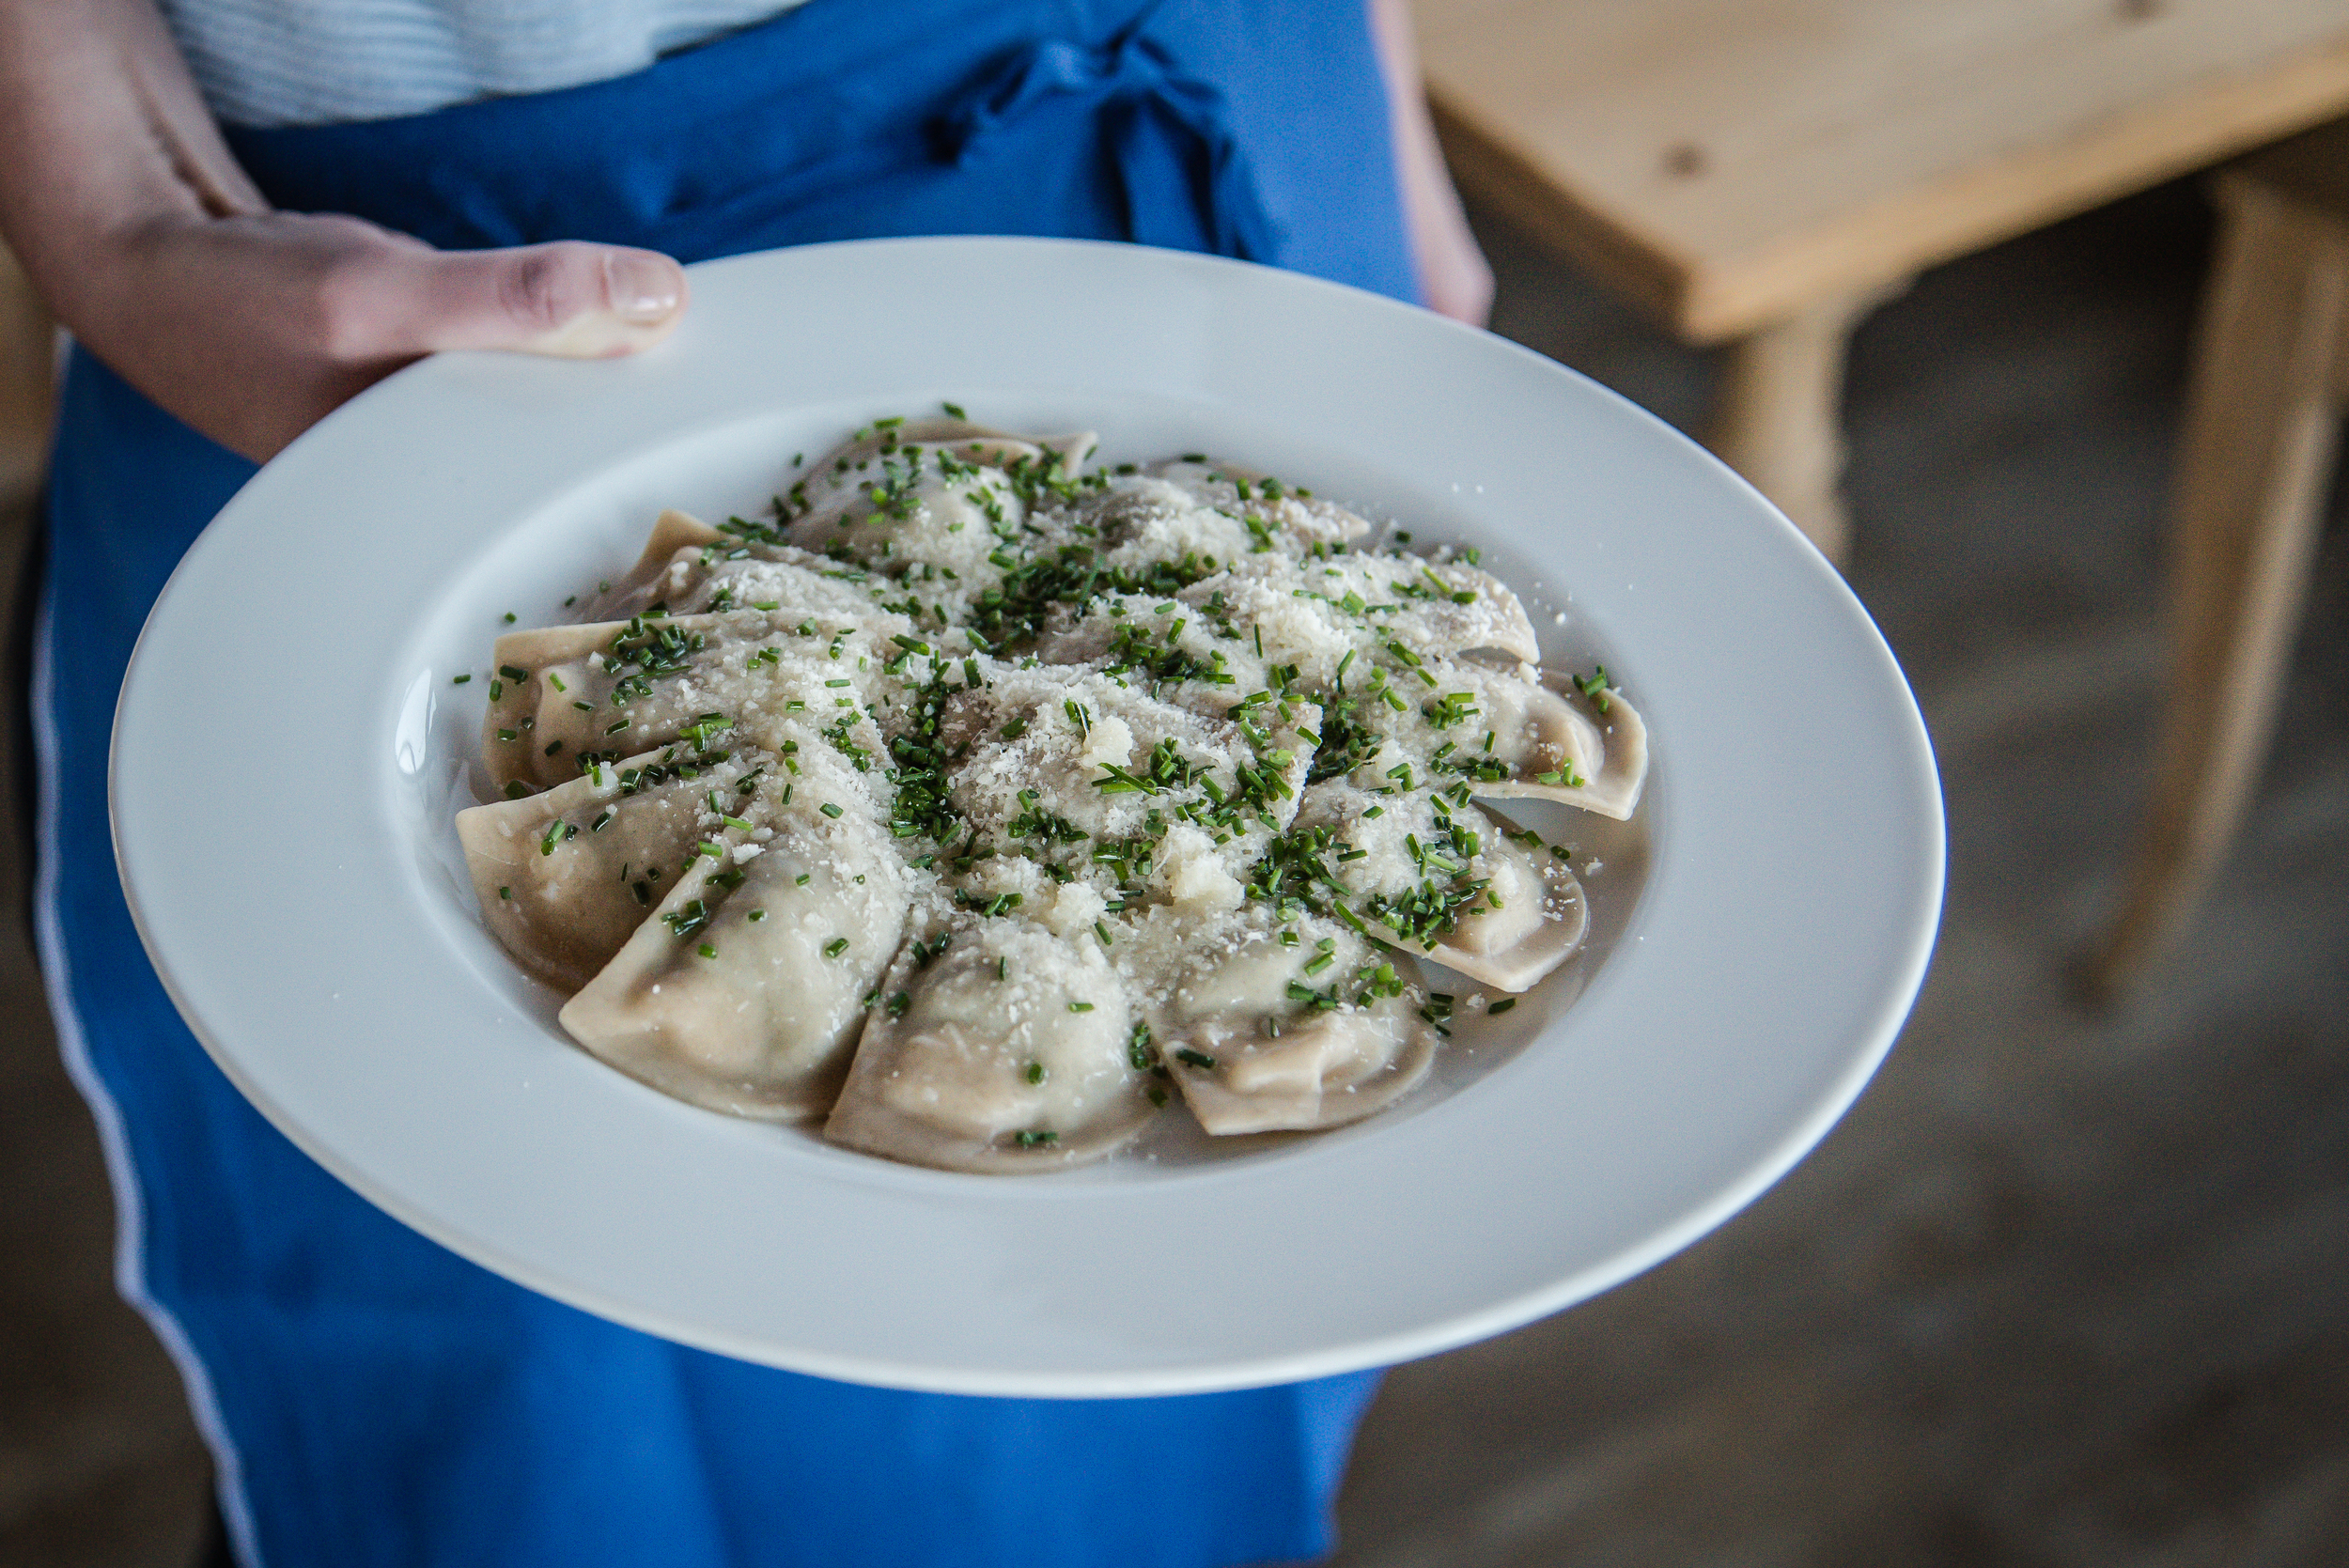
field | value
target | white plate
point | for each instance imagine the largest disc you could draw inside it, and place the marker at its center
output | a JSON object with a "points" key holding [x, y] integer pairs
{"points": [[301, 894]]}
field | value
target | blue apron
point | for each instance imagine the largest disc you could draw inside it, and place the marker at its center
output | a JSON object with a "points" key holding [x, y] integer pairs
{"points": [[372, 1399]]}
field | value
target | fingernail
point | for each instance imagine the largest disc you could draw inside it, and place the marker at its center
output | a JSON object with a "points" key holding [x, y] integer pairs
{"points": [[644, 289]]}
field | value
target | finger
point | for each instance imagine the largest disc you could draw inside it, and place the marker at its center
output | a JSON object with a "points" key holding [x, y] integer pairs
{"points": [[573, 300]]}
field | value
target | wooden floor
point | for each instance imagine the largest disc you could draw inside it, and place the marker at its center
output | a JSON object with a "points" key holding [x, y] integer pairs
{"points": [[2063, 1292]]}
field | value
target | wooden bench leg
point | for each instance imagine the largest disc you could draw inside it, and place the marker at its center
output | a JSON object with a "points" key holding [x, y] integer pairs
{"points": [[2262, 416], [1780, 417]]}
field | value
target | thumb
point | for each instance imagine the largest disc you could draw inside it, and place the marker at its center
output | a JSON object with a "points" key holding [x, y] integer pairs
{"points": [[569, 298]]}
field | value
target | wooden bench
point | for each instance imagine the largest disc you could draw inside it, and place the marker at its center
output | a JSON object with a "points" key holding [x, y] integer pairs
{"points": [[1759, 173]]}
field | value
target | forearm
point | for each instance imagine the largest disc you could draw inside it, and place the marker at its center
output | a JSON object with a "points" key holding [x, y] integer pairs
{"points": [[112, 145], [1453, 274], [137, 226]]}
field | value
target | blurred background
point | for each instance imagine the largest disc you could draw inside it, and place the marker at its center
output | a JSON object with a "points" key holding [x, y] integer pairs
{"points": [[2070, 1286]]}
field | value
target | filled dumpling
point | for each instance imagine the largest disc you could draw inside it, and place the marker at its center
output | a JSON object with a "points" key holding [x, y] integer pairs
{"points": [[568, 697], [989, 806], [1530, 918], [1010, 1049], [563, 877], [1595, 744], [674, 533], [690, 568], [745, 992], [1290, 1027]]}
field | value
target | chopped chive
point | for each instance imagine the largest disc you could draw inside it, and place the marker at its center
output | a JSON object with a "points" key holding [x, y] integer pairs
{"points": [[836, 947], [1080, 1007], [1195, 1058], [1499, 1007], [828, 809], [461, 680]]}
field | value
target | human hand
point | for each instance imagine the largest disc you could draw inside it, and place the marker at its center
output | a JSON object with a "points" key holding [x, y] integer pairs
{"points": [[152, 247], [253, 327]]}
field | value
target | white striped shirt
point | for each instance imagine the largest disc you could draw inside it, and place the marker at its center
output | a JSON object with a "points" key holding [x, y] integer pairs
{"points": [[315, 62]]}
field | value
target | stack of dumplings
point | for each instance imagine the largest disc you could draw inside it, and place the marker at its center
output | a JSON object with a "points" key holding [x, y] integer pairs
{"points": [[987, 806]]}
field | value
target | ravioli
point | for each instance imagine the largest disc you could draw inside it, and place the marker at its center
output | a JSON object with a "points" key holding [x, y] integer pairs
{"points": [[1010, 1050], [1280, 1027], [745, 990], [989, 807]]}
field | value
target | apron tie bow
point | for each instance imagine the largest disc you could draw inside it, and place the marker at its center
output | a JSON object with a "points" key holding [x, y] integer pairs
{"points": [[1183, 180]]}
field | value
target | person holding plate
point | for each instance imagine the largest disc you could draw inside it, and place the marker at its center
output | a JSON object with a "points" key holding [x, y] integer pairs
{"points": [[248, 210]]}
